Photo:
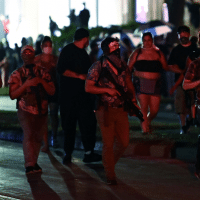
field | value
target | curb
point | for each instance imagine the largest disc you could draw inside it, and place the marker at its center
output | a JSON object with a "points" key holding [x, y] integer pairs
{"points": [[154, 148]]}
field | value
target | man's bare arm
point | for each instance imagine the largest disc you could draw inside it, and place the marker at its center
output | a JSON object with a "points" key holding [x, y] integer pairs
{"points": [[187, 84], [72, 74], [175, 69], [90, 87]]}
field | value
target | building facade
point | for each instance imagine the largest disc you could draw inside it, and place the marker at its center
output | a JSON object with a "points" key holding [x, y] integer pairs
{"points": [[29, 18]]}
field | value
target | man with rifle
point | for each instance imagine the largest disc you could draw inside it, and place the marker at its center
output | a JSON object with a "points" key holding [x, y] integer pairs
{"points": [[30, 85], [192, 81], [110, 80]]}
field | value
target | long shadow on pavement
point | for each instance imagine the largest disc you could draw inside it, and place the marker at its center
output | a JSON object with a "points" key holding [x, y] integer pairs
{"points": [[80, 184], [40, 190], [83, 186], [122, 190]]}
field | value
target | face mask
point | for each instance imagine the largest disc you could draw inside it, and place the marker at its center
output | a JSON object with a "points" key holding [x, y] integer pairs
{"points": [[116, 53], [47, 50], [28, 58], [184, 40]]}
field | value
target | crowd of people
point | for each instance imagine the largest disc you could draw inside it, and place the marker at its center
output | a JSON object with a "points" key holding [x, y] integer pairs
{"points": [[88, 90]]}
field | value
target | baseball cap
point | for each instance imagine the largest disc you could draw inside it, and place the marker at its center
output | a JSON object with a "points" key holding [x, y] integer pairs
{"points": [[183, 29], [27, 47], [81, 33]]}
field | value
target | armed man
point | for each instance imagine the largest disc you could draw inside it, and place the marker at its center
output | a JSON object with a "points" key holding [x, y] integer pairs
{"points": [[110, 79], [192, 81]]}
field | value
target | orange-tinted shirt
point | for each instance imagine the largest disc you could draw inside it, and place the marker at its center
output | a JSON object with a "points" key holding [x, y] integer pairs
{"points": [[29, 100]]}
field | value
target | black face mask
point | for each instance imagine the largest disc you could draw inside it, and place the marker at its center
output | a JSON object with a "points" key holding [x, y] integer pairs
{"points": [[28, 58], [184, 40], [116, 53]]}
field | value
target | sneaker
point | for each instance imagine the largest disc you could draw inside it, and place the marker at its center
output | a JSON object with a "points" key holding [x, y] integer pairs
{"points": [[111, 182], [92, 157], [67, 160], [29, 170], [37, 168]]}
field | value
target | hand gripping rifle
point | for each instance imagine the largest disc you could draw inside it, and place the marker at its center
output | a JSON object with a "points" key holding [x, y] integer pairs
{"points": [[36, 90], [129, 106]]}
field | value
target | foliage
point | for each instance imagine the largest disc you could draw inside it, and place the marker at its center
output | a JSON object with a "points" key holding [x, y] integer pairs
{"points": [[96, 31], [130, 26], [4, 91], [67, 33]]}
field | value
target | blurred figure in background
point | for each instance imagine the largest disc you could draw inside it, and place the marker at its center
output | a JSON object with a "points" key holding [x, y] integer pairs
{"points": [[49, 61], [52, 26], [30, 41], [146, 64], [84, 17], [94, 51], [177, 63], [160, 42], [11, 61], [38, 49], [2, 63], [73, 18], [128, 49], [23, 43], [17, 54]]}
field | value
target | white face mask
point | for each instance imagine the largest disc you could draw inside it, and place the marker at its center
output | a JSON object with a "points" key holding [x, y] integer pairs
{"points": [[47, 50]]}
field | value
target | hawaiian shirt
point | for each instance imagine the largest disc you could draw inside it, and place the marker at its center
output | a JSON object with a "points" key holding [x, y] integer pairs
{"points": [[95, 74], [28, 100], [193, 74]]}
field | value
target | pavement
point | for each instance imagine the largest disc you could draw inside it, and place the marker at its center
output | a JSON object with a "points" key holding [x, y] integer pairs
{"points": [[138, 177]]}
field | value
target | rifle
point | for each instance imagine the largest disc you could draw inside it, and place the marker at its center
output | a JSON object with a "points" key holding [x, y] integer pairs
{"points": [[36, 90], [129, 106]]}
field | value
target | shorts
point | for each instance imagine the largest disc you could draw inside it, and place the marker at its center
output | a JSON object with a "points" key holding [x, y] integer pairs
{"points": [[183, 100], [147, 86]]}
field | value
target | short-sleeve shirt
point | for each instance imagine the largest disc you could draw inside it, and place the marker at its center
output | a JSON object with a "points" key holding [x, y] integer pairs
{"points": [[95, 74], [50, 64], [179, 56], [28, 100], [193, 73], [77, 60]]}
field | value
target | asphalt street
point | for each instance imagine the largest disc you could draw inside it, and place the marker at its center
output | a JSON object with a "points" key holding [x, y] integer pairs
{"points": [[138, 177]]}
